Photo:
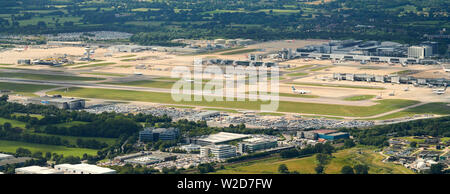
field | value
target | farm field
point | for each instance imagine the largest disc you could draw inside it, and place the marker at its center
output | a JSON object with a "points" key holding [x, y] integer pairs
{"points": [[284, 106], [306, 165]]}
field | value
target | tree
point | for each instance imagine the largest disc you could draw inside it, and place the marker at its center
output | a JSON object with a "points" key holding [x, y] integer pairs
{"points": [[436, 169], [361, 169], [347, 170], [283, 169], [320, 169], [413, 144]]}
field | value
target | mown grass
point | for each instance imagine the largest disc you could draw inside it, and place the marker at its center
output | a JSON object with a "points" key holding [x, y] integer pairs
{"points": [[106, 74], [359, 98], [284, 106], [296, 74], [300, 67]]}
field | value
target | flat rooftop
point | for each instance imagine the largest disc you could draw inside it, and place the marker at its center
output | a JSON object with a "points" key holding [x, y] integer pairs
{"points": [[324, 131], [223, 137]]}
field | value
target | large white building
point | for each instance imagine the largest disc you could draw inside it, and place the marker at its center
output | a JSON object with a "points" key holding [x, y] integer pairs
{"points": [[5, 156], [37, 170], [419, 52], [83, 169]]}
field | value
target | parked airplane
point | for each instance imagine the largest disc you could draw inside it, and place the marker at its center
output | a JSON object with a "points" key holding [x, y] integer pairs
{"points": [[295, 91]]}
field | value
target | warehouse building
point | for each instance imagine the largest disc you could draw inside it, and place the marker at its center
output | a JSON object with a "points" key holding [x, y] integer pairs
{"points": [[37, 170], [255, 144], [83, 169], [219, 138], [58, 101], [392, 79]]}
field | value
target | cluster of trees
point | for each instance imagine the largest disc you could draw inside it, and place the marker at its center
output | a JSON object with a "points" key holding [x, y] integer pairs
{"points": [[357, 169], [91, 143], [206, 168]]}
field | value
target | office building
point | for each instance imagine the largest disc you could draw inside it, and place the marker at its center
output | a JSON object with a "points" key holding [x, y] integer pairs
{"points": [[83, 169]]}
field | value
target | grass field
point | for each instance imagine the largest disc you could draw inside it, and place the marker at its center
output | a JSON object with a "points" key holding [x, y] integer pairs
{"points": [[438, 108], [306, 165], [284, 106], [11, 146], [270, 114], [359, 98], [46, 77], [24, 89]]}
